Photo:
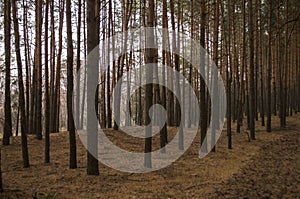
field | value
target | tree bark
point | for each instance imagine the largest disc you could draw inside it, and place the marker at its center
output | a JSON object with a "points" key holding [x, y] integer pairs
{"points": [[21, 88], [78, 64], [47, 100], [7, 104], [92, 81], [269, 70], [150, 59], [215, 114], [203, 108], [70, 87], [38, 65], [252, 73], [229, 76]]}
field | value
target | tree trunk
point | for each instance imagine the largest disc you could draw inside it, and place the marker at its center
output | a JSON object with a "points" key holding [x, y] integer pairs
{"points": [[150, 59], [92, 81], [164, 130], [215, 114], [56, 97], [229, 76], [190, 78], [244, 63], [21, 88], [78, 64], [269, 70], [18, 121], [252, 73], [38, 65], [85, 64], [27, 59], [110, 33], [127, 8], [70, 87], [262, 87], [7, 104], [203, 108], [52, 69], [47, 100]]}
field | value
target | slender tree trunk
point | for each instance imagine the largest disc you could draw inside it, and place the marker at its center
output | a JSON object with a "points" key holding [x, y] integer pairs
{"points": [[215, 114], [229, 77], [38, 65], [7, 104], [85, 64], [252, 73], [70, 87], [203, 108], [27, 59], [170, 75], [150, 59], [269, 70], [110, 33], [256, 60], [92, 81], [244, 63], [78, 66], [190, 79], [18, 121], [56, 101], [103, 63], [127, 8], [285, 70], [52, 68], [279, 66], [47, 97], [262, 87], [21, 88], [163, 132]]}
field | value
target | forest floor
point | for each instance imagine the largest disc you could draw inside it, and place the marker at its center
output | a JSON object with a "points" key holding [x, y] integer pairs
{"points": [[265, 168]]}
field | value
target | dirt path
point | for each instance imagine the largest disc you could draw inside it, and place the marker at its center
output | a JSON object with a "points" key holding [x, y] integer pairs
{"points": [[273, 173]]}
